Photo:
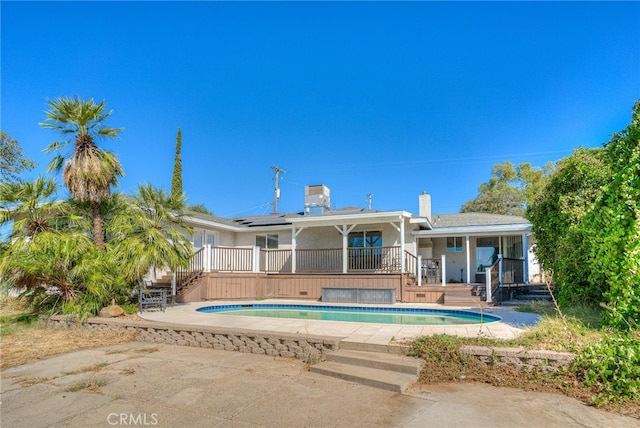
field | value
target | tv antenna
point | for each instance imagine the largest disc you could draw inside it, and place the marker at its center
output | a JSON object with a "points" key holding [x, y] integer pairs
{"points": [[370, 200]]}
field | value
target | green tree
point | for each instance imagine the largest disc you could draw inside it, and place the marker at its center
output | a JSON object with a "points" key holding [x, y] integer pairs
{"points": [[176, 179], [87, 171], [12, 160], [587, 226], [557, 217], [509, 190], [200, 208], [29, 207], [49, 255], [613, 227], [149, 232]]}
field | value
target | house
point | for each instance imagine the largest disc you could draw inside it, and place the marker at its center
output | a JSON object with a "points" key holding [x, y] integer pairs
{"points": [[422, 258]]}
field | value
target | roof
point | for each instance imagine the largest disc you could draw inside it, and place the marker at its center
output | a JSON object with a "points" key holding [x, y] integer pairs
{"points": [[474, 219], [441, 224], [476, 224]]}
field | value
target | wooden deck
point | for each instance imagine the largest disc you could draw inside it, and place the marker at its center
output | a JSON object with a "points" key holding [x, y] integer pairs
{"points": [[229, 286]]}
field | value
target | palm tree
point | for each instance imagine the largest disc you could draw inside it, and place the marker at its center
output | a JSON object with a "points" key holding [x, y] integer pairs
{"points": [[148, 232], [87, 171], [29, 208]]}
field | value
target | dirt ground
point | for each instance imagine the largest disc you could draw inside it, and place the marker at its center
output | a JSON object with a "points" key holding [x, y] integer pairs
{"points": [[38, 341]]}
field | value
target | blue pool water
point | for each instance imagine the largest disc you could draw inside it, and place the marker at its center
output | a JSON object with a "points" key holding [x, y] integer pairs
{"points": [[381, 315]]}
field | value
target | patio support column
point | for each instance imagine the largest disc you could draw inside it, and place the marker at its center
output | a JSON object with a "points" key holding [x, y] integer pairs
{"points": [[400, 230], [294, 234], [419, 271], [345, 242], [443, 270], [525, 253], [402, 260], [467, 240]]}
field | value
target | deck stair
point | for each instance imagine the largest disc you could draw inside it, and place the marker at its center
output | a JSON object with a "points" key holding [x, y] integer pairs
{"points": [[378, 369], [464, 295], [535, 292]]}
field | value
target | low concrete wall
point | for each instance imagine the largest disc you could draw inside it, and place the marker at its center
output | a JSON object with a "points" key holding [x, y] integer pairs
{"points": [[307, 348], [519, 358]]}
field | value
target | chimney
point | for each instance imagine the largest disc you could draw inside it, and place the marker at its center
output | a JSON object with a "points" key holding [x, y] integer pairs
{"points": [[424, 205]]}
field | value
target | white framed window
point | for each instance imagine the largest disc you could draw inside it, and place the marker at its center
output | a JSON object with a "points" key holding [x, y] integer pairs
{"points": [[454, 244], [200, 238], [269, 241], [367, 239]]}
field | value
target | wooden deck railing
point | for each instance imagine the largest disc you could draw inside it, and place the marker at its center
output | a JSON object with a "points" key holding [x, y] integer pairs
{"points": [[512, 271], [327, 260], [377, 259], [411, 263], [196, 266], [492, 279], [275, 261], [227, 259], [431, 270]]}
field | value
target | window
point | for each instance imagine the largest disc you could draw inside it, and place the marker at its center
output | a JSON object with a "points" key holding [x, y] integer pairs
{"points": [[202, 238], [454, 244], [512, 247], [267, 241], [365, 239], [365, 250], [487, 250]]}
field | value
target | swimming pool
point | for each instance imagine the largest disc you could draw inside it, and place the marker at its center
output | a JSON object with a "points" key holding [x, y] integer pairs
{"points": [[380, 315]]}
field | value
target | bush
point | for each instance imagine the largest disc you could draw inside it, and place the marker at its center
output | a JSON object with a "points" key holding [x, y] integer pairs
{"points": [[612, 367]]}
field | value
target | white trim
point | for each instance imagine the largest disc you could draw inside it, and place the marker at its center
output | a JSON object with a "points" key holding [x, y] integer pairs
{"points": [[502, 229], [468, 255], [338, 219]]}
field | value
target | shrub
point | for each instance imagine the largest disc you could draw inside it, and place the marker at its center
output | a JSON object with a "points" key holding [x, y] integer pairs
{"points": [[612, 367]]}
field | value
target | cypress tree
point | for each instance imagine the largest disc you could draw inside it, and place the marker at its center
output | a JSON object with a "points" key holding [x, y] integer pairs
{"points": [[176, 180]]}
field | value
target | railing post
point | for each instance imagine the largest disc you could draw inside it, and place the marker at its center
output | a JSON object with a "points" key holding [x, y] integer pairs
{"points": [[500, 269], [207, 258], [256, 259], [487, 281], [173, 284], [444, 270], [419, 269]]}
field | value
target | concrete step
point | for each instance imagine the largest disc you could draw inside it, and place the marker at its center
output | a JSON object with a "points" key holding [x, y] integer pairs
{"points": [[377, 360], [534, 297], [373, 347], [543, 292], [377, 378]]}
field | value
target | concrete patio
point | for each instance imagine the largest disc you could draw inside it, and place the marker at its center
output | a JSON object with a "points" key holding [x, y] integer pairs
{"points": [[512, 323]]}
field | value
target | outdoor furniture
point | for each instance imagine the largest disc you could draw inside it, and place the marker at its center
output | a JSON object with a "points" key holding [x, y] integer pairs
{"points": [[151, 297]]}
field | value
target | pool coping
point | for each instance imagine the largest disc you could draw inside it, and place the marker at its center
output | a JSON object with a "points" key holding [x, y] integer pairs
{"points": [[365, 333], [351, 307]]}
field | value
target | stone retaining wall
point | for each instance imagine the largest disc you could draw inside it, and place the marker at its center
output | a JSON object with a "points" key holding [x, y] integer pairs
{"points": [[546, 361], [307, 348]]}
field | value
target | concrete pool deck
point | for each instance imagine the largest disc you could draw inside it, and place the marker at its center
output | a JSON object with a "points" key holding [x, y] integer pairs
{"points": [[510, 326]]}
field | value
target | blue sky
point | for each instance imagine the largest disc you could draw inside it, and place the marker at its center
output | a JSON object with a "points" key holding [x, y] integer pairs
{"points": [[391, 99]]}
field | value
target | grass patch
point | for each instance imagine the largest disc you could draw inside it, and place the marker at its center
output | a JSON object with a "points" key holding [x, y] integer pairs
{"points": [[35, 343], [93, 368], [9, 324], [130, 308], [580, 331], [92, 384]]}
